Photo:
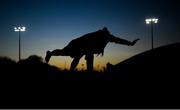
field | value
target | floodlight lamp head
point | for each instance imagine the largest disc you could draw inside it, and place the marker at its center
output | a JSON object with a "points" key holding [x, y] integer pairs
{"points": [[17, 29], [151, 20]]}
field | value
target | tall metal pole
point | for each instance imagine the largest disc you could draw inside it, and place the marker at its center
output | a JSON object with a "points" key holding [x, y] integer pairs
{"points": [[152, 21], [152, 35], [19, 30], [19, 45]]}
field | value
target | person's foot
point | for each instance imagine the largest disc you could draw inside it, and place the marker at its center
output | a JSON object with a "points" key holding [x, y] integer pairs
{"points": [[134, 42], [48, 56]]}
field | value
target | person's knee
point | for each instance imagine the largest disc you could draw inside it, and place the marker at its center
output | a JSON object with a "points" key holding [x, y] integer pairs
{"points": [[56, 52]]}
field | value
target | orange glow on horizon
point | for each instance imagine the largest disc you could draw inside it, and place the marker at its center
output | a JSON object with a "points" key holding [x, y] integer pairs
{"points": [[63, 62]]}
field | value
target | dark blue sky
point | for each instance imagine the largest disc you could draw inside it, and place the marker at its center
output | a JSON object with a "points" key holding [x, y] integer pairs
{"points": [[53, 23]]}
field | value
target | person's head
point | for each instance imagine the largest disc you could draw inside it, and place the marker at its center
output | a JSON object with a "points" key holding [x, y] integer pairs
{"points": [[105, 31]]}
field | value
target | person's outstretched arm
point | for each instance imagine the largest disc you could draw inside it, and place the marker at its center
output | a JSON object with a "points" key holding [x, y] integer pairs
{"points": [[122, 41]]}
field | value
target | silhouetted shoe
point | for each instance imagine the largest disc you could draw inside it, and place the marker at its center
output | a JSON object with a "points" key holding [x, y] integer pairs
{"points": [[48, 56], [134, 42]]}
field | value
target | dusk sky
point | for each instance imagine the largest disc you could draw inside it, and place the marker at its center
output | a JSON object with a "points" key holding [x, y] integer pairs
{"points": [[52, 24]]}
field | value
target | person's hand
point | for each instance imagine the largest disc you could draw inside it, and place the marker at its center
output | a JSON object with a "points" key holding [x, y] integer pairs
{"points": [[134, 42]]}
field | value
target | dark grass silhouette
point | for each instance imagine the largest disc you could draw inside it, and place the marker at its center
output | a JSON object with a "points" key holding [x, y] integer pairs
{"points": [[160, 64], [147, 80], [33, 69]]}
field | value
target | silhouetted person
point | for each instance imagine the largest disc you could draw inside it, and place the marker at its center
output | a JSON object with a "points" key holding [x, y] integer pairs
{"points": [[88, 45]]}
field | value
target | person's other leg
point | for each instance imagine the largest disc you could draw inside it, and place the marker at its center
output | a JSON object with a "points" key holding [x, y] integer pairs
{"points": [[75, 62], [89, 62]]}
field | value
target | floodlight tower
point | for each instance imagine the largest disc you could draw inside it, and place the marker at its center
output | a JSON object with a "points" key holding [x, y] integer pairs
{"points": [[19, 29], [152, 21]]}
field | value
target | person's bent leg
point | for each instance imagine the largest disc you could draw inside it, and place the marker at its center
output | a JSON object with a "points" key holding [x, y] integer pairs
{"points": [[74, 63], [89, 61], [57, 52]]}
